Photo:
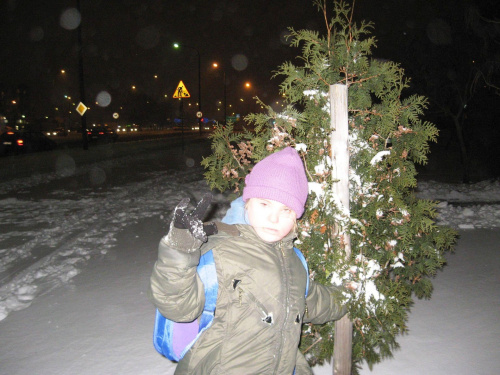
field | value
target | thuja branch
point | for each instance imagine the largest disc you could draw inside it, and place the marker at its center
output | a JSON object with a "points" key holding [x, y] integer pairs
{"points": [[233, 151], [307, 169], [313, 344]]}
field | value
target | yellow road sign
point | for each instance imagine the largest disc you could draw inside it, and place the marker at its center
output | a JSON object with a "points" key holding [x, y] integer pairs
{"points": [[181, 91], [81, 108]]}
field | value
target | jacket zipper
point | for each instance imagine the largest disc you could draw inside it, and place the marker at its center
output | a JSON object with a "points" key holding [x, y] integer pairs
{"points": [[287, 299], [255, 302], [243, 293]]}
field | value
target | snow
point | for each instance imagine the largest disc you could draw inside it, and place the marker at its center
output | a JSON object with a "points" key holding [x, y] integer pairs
{"points": [[78, 238], [378, 158]]}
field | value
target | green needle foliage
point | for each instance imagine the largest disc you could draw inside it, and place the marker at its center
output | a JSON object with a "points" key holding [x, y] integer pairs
{"points": [[397, 247]]}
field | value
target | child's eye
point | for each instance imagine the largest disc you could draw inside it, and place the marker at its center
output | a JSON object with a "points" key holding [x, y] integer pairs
{"points": [[288, 213]]}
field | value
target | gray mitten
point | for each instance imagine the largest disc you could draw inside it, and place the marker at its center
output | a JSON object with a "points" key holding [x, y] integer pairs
{"points": [[187, 231]]}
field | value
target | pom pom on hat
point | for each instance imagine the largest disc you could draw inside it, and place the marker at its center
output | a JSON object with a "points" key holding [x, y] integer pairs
{"points": [[280, 177]]}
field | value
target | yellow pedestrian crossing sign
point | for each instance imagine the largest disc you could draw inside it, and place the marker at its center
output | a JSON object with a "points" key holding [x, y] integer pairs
{"points": [[181, 91]]}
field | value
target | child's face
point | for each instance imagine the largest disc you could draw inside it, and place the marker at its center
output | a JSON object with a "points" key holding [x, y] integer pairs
{"points": [[271, 220]]}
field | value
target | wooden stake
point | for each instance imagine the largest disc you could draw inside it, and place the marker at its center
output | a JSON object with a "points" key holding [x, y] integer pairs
{"points": [[340, 157]]}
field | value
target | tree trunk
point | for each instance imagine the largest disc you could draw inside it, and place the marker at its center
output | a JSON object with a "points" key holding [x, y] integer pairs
{"points": [[463, 149], [340, 157]]}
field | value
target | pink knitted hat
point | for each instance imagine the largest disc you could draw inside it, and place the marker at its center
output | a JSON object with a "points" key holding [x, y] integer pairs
{"points": [[280, 177]]}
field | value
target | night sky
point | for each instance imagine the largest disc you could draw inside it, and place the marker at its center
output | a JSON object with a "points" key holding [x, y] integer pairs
{"points": [[128, 42]]}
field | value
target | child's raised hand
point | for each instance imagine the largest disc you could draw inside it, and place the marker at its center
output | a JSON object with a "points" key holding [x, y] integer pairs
{"points": [[192, 221]]}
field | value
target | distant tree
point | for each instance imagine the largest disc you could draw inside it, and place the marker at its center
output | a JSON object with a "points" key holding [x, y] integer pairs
{"points": [[15, 103], [457, 64], [487, 29]]}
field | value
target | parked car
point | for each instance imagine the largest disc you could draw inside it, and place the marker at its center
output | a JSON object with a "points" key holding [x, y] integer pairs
{"points": [[22, 141], [101, 133], [60, 132], [127, 128]]}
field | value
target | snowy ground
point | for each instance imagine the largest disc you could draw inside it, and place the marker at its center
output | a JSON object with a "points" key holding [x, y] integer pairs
{"points": [[78, 237]]}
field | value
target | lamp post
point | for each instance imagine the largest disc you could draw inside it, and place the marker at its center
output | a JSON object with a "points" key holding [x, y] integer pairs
{"points": [[215, 65], [68, 113], [248, 87], [177, 45], [81, 79]]}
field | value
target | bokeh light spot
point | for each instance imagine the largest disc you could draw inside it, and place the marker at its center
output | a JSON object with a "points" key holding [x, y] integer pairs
{"points": [[285, 37], [239, 62], [97, 176], [65, 166], [439, 32], [103, 99], [70, 19]]}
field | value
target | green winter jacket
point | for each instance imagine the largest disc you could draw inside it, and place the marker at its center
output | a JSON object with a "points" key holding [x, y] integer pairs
{"points": [[261, 302]]}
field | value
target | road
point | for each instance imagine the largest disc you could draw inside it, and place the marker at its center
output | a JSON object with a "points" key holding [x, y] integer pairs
{"points": [[70, 153], [75, 139]]}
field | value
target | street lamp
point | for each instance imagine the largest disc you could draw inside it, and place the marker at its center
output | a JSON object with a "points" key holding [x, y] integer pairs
{"points": [[68, 114], [177, 45], [215, 65]]}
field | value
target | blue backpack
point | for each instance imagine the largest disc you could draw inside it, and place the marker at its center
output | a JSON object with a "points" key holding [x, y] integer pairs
{"points": [[173, 339]]}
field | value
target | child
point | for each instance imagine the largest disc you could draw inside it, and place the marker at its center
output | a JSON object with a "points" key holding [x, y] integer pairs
{"points": [[261, 301]]}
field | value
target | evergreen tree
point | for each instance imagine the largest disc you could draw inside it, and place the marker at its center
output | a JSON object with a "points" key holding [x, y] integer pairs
{"points": [[396, 245]]}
